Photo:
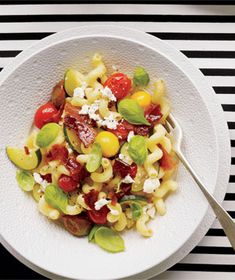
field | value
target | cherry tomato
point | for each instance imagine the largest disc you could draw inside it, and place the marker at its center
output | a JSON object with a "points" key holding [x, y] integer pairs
{"points": [[119, 84], [77, 225], [167, 162], [99, 217], [67, 184], [45, 114], [153, 113], [90, 198]]}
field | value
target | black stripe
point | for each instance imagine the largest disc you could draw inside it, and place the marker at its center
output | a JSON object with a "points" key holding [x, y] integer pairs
{"points": [[230, 196], [228, 107], [218, 72], [115, 17], [224, 90], [185, 2], [9, 53], [233, 160], [209, 54], [215, 232], [24, 36], [232, 143], [1, 69], [203, 267], [213, 250], [194, 36], [232, 214], [231, 125], [232, 179]]}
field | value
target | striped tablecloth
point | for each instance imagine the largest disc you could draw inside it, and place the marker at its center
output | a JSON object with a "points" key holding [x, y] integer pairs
{"points": [[204, 33]]}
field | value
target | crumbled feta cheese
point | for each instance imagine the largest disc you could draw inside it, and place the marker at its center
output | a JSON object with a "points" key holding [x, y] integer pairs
{"points": [[110, 122], [38, 179], [80, 91], [114, 212], [151, 184], [128, 179], [106, 92], [100, 203], [130, 135], [84, 110]]}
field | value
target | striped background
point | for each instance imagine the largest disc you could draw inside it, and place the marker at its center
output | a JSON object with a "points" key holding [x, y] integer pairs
{"points": [[204, 33]]}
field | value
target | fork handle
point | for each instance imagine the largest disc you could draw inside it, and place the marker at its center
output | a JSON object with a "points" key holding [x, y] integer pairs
{"points": [[225, 220]]}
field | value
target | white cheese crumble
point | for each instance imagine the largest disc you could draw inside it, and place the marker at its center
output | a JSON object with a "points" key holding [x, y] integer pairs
{"points": [[151, 184], [110, 122], [91, 111], [38, 179], [80, 91], [130, 135], [106, 92], [128, 179], [100, 203]]}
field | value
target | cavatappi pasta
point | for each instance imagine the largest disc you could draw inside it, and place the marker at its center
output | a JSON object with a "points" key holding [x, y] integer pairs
{"points": [[100, 159]]}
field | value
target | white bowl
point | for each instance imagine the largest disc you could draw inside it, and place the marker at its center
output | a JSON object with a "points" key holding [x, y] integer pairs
{"points": [[25, 84]]}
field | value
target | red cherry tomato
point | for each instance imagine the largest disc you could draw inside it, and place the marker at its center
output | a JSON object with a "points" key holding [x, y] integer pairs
{"points": [[45, 114], [67, 184], [99, 217], [119, 84]]}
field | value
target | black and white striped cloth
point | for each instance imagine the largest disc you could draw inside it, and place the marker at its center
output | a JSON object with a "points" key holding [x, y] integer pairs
{"points": [[204, 33]]}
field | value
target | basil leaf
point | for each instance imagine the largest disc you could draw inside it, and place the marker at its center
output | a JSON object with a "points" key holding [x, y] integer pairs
{"points": [[137, 210], [137, 149], [91, 236], [141, 77], [25, 180], [56, 197], [132, 112], [47, 134], [95, 158]]}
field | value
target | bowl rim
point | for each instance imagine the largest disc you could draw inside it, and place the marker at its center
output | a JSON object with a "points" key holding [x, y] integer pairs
{"points": [[198, 81]]}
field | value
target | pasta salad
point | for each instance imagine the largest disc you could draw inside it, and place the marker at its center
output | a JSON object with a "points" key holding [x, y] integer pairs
{"points": [[99, 158]]}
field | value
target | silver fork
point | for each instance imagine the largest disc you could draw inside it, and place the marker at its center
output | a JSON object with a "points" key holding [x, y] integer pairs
{"points": [[173, 128]]}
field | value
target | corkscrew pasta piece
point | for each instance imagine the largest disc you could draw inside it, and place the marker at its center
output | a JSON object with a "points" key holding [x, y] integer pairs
{"points": [[48, 210], [142, 227], [106, 174], [165, 188]]}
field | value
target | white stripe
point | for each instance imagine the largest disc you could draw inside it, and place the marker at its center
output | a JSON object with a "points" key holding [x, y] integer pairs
{"points": [[230, 116], [194, 275], [233, 151], [226, 99], [144, 26], [118, 9], [232, 172], [231, 188], [218, 241], [229, 205], [213, 63], [220, 81], [209, 259], [203, 45], [4, 61], [232, 134], [16, 44]]}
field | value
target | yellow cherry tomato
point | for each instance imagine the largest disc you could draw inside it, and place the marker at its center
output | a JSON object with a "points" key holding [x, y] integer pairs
{"points": [[142, 97], [109, 143]]}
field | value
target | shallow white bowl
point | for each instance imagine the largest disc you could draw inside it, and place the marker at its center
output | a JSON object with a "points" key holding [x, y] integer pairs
{"points": [[27, 83]]}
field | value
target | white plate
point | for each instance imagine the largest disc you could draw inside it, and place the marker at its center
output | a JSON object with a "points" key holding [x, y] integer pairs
{"points": [[27, 83]]}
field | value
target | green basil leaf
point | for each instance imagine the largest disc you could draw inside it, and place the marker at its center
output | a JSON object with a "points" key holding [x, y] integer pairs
{"points": [[91, 236], [47, 134], [137, 210], [132, 112], [25, 180], [137, 149], [94, 161], [56, 197], [141, 77], [109, 240]]}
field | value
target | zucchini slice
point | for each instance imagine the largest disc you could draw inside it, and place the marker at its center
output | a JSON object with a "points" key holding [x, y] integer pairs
{"points": [[22, 160], [72, 139]]}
